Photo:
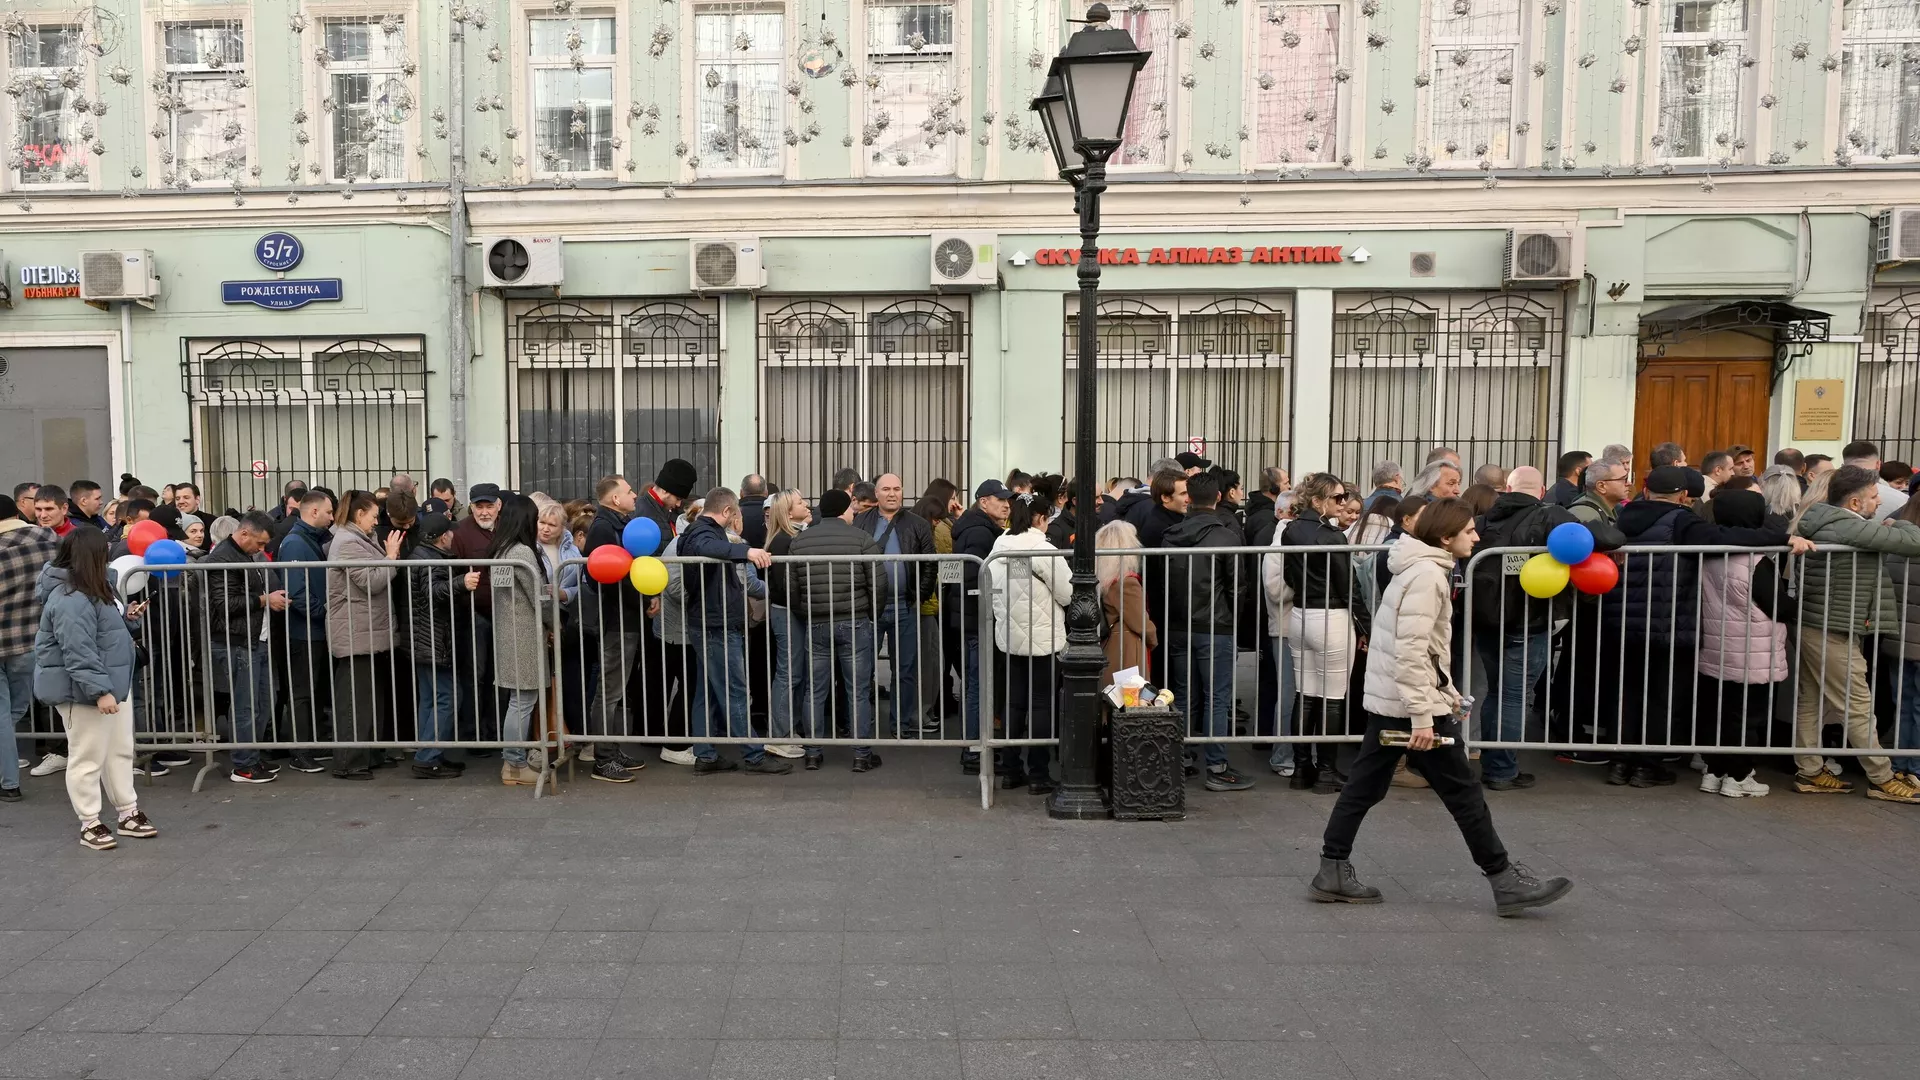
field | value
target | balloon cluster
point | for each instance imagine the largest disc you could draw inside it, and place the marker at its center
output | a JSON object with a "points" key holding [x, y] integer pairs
{"points": [[148, 539], [633, 559], [1569, 558]]}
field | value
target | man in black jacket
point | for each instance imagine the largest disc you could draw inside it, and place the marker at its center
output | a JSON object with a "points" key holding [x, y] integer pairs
{"points": [[974, 533], [753, 509], [837, 602], [1165, 508], [1511, 630], [906, 586], [614, 620], [663, 664], [716, 615], [1566, 490], [1204, 598], [237, 601]]}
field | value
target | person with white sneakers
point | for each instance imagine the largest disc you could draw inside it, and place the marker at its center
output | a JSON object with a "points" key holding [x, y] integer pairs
{"points": [[1744, 612]]}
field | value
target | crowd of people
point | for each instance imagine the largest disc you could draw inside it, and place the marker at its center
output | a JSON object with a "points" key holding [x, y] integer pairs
{"points": [[845, 619]]}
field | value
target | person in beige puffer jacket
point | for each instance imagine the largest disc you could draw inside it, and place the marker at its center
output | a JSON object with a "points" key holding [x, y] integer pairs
{"points": [[1409, 686]]}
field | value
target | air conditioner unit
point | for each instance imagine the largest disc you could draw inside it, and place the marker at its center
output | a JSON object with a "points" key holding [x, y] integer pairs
{"points": [[118, 275], [965, 260], [1897, 237], [522, 262], [725, 263], [1540, 256]]}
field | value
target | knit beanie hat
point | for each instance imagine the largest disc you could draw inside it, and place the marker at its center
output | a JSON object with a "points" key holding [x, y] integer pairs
{"points": [[676, 478]]}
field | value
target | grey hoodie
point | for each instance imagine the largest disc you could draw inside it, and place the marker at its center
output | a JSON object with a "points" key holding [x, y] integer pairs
{"points": [[83, 649]]}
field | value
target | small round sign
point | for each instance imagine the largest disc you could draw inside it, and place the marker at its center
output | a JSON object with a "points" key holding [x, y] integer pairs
{"points": [[278, 251]]}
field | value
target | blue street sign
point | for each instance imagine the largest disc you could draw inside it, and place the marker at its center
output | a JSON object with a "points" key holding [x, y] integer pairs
{"points": [[280, 295], [278, 251]]}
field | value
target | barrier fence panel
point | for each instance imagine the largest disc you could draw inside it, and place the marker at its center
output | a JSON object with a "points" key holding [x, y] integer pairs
{"points": [[342, 660], [1727, 652], [810, 652]]}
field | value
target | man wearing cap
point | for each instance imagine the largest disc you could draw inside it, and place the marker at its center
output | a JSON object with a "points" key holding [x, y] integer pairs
{"points": [[472, 539], [973, 535], [25, 549], [1649, 624], [662, 662], [1191, 463]]}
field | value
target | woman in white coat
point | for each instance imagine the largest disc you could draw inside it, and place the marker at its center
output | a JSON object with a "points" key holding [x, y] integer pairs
{"points": [[1410, 689], [1031, 588]]}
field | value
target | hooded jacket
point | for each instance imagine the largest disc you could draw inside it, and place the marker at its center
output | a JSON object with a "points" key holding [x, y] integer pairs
{"points": [[1120, 508], [1658, 593], [1500, 605], [1849, 592], [83, 648], [1410, 653], [1205, 595]]}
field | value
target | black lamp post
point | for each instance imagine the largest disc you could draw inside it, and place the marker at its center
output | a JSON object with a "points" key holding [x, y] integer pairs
{"points": [[1083, 108]]}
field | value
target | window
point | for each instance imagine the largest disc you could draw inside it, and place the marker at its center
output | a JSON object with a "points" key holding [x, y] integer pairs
{"points": [[1149, 132], [740, 106], [1475, 64], [366, 99], [205, 102], [570, 63], [47, 145], [1880, 77], [910, 112], [1297, 101], [1702, 77]]}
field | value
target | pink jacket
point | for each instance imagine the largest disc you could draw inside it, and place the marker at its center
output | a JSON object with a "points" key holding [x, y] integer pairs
{"points": [[1738, 642]]}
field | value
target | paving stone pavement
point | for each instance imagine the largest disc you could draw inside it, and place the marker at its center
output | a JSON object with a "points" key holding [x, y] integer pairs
{"points": [[828, 926]]}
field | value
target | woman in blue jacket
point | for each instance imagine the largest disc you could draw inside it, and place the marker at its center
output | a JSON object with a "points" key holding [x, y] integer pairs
{"points": [[83, 667]]}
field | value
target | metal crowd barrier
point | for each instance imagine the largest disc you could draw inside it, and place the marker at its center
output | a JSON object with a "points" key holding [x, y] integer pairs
{"points": [[225, 669]]}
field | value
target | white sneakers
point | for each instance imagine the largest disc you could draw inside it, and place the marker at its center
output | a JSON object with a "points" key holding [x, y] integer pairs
{"points": [[1748, 788], [678, 757], [1709, 783], [49, 765], [785, 750]]}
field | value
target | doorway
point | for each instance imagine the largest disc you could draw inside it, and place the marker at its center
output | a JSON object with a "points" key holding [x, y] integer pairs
{"points": [[1704, 405], [54, 411]]}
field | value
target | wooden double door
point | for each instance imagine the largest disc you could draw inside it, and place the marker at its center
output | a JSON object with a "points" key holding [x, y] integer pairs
{"points": [[1704, 405]]}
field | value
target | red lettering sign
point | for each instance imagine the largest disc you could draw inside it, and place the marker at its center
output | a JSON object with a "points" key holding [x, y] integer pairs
{"points": [[1196, 256], [50, 292]]}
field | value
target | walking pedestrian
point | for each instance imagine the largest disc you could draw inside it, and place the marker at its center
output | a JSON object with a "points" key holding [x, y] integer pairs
{"points": [[1409, 681], [83, 667]]}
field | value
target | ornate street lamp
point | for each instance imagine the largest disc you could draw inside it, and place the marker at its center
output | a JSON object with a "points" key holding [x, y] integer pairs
{"points": [[1083, 108]]}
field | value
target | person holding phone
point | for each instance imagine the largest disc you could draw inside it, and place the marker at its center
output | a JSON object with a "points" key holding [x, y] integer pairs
{"points": [[83, 666], [1410, 692]]}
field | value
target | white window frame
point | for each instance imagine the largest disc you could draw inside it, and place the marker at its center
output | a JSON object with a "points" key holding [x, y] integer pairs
{"points": [[13, 136], [156, 44], [1435, 50], [526, 66], [785, 156], [1750, 125], [1344, 93], [1178, 65], [1836, 80], [958, 78], [322, 84]]}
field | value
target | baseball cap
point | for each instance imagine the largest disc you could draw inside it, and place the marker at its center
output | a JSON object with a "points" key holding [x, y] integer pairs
{"points": [[484, 493], [1674, 479], [1191, 460], [432, 527], [992, 489]]}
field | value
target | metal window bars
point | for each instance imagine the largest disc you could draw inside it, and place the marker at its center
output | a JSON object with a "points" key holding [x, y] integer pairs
{"points": [[1886, 385]]}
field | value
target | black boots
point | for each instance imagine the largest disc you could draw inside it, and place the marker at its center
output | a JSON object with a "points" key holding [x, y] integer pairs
{"points": [[1336, 883], [1515, 889], [1306, 721]]}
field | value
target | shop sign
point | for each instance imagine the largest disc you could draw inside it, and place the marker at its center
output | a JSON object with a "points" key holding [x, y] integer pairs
{"points": [[49, 283], [1194, 256], [279, 251], [280, 295]]}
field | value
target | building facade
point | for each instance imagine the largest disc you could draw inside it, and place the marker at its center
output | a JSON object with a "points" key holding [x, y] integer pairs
{"points": [[1338, 232]]}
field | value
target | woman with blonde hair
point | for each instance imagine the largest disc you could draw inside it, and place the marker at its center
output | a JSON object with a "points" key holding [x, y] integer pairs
{"points": [[1321, 625], [787, 514], [1131, 635]]}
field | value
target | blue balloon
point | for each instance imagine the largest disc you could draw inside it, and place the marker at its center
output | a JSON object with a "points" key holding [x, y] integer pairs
{"points": [[641, 537], [166, 553], [1570, 543]]}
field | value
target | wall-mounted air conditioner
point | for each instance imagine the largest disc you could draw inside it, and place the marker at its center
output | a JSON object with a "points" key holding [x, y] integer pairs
{"points": [[118, 275], [725, 263], [1896, 236], [1540, 256], [965, 260], [522, 262]]}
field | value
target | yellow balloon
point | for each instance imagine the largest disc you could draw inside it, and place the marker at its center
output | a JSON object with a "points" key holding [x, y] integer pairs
{"points": [[649, 575], [1544, 576]]}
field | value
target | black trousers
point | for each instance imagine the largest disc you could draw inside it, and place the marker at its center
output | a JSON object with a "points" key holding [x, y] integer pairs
{"points": [[1445, 767], [309, 670], [361, 694], [1033, 705], [1741, 710]]}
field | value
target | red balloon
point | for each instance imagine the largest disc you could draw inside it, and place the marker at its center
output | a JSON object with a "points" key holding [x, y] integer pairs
{"points": [[143, 533], [608, 563], [1595, 574]]}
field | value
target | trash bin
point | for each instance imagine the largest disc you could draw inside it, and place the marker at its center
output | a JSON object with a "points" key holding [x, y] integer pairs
{"points": [[1148, 763]]}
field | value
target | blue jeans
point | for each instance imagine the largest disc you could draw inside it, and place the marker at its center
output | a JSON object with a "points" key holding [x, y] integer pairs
{"points": [[1906, 733], [900, 627], [847, 646], [433, 691], [1514, 669], [1283, 710], [788, 655], [1200, 667], [244, 675], [971, 689], [720, 693], [16, 695]]}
